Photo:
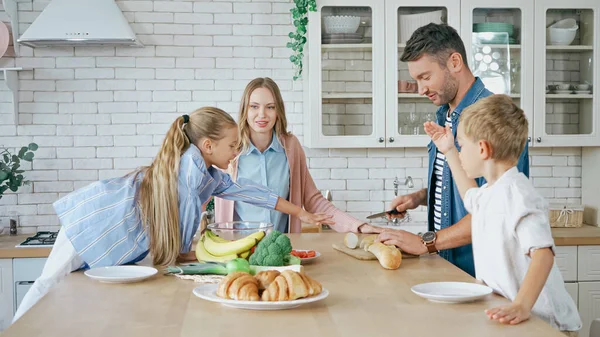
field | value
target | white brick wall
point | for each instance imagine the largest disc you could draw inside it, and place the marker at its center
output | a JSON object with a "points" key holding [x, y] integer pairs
{"points": [[99, 112]]}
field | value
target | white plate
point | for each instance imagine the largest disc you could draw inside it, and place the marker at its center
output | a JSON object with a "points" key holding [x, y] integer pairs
{"points": [[563, 92], [451, 292], [308, 259], [581, 92], [121, 274], [209, 292]]}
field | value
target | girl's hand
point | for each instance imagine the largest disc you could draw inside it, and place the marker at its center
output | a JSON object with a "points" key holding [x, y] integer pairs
{"points": [[514, 313], [317, 219], [441, 137]]}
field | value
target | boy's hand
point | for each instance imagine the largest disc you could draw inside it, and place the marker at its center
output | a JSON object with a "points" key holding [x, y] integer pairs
{"points": [[513, 313], [441, 137]]}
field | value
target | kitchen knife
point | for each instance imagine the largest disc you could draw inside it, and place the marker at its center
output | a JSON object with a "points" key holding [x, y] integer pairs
{"points": [[382, 214]]}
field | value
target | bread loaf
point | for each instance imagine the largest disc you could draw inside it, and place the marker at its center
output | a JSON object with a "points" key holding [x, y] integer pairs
{"points": [[389, 257]]}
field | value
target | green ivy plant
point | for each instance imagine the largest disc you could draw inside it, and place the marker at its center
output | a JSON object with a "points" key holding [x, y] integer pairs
{"points": [[11, 176], [299, 15]]}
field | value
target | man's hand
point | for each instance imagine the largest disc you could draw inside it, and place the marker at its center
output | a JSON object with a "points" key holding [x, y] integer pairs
{"points": [[368, 229], [406, 241], [513, 313], [405, 202]]}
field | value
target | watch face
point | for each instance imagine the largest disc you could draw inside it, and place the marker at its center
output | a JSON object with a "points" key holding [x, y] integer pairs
{"points": [[428, 236]]}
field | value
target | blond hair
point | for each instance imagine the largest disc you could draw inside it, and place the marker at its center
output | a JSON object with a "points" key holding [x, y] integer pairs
{"points": [[280, 124], [499, 121], [158, 194]]}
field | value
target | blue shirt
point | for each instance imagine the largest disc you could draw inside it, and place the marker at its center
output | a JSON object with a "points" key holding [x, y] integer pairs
{"points": [[269, 168], [102, 220], [453, 208]]}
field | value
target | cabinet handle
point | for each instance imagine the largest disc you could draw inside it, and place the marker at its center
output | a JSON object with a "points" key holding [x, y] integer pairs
{"points": [[391, 139], [381, 139], [538, 139], [529, 139]]}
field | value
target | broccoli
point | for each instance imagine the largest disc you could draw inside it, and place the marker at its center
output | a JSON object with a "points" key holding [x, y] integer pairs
{"points": [[272, 250]]}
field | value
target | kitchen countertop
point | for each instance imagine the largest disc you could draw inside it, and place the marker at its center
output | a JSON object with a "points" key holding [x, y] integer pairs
{"points": [[364, 300], [9, 251]]}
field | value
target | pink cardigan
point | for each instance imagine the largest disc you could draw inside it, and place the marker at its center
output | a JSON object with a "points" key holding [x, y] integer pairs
{"points": [[303, 192]]}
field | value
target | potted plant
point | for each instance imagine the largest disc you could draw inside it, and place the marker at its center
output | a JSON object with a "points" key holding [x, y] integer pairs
{"points": [[11, 174]]}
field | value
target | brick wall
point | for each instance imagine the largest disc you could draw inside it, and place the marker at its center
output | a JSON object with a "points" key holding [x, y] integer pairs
{"points": [[100, 112]]}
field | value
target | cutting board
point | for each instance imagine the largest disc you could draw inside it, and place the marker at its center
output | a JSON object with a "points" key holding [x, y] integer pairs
{"points": [[360, 253], [357, 253]]}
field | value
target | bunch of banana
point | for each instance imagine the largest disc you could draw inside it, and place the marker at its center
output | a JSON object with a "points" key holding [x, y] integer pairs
{"points": [[212, 248]]}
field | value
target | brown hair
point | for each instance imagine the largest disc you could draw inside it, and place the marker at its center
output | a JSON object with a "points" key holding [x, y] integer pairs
{"points": [[158, 195], [499, 121], [280, 124], [436, 40]]}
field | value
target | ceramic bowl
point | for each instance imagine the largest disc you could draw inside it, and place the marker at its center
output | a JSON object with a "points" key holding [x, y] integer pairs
{"points": [[341, 24], [583, 87]]}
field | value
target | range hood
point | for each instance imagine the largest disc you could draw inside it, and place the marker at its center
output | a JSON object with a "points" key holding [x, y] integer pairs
{"points": [[80, 23]]}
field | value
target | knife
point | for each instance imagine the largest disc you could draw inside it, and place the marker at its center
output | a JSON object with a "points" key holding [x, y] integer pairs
{"points": [[382, 214]]}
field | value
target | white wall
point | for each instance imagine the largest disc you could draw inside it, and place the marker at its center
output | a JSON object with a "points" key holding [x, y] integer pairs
{"points": [[100, 112]]}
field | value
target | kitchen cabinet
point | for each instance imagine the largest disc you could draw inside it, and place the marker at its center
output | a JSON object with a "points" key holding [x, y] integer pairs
{"points": [[6, 293], [360, 95], [580, 268]]}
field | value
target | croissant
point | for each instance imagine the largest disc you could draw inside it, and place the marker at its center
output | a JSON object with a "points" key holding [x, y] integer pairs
{"points": [[291, 285], [265, 278], [239, 286]]}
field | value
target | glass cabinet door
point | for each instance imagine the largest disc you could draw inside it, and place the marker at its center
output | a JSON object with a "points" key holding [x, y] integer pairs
{"points": [[347, 99], [500, 48], [406, 109], [566, 75]]}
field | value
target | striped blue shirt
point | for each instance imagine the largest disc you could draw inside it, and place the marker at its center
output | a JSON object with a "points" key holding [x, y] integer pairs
{"points": [[102, 220], [269, 168]]}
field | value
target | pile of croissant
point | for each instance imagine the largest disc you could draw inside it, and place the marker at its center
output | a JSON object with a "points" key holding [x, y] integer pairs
{"points": [[269, 285]]}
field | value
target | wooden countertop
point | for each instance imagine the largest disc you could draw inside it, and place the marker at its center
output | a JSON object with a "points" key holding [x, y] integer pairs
{"points": [[364, 300], [582, 236], [9, 251]]}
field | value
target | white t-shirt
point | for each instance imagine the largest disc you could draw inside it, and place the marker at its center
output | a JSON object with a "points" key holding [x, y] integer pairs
{"points": [[510, 219]]}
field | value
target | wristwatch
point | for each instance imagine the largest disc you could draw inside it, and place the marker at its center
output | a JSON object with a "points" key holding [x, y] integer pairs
{"points": [[429, 241]]}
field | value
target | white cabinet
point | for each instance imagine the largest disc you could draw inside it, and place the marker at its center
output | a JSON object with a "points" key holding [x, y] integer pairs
{"points": [[589, 304], [573, 290], [6, 293], [360, 95], [580, 268]]}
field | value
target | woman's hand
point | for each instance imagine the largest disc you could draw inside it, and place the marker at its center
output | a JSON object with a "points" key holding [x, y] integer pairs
{"points": [[441, 137], [316, 219]]}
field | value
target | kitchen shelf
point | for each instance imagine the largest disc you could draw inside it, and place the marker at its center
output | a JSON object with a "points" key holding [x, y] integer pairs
{"points": [[346, 47], [10, 7], [11, 78], [341, 95], [335, 95], [570, 96], [569, 48]]}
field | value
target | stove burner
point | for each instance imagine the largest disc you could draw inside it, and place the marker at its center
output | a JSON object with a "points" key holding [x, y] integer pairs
{"points": [[44, 238]]}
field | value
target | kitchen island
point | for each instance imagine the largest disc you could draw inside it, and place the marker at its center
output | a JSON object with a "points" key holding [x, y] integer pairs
{"points": [[364, 300]]}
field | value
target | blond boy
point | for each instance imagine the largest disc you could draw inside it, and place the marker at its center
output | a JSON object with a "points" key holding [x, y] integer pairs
{"points": [[513, 247]]}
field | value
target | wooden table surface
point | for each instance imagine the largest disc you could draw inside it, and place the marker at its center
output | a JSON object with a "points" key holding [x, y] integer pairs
{"points": [[364, 300]]}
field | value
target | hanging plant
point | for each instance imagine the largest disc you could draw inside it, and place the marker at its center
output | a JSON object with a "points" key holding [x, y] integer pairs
{"points": [[299, 15]]}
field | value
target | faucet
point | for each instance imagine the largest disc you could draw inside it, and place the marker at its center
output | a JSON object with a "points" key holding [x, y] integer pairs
{"points": [[408, 182]]}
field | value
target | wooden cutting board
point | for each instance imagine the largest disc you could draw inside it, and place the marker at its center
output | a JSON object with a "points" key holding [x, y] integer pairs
{"points": [[357, 253], [360, 253]]}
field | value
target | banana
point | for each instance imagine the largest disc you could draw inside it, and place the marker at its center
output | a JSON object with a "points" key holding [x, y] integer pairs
{"points": [[215, 237], [203, 255], [244, 255], [231, 247]]}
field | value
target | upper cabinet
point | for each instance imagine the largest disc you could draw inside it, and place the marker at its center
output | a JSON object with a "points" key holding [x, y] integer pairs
{"points": [[359, 94], [566, 102]]}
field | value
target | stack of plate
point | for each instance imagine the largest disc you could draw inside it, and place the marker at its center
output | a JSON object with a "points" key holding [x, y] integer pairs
{"points": [[341, 38], [497, 32]]}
